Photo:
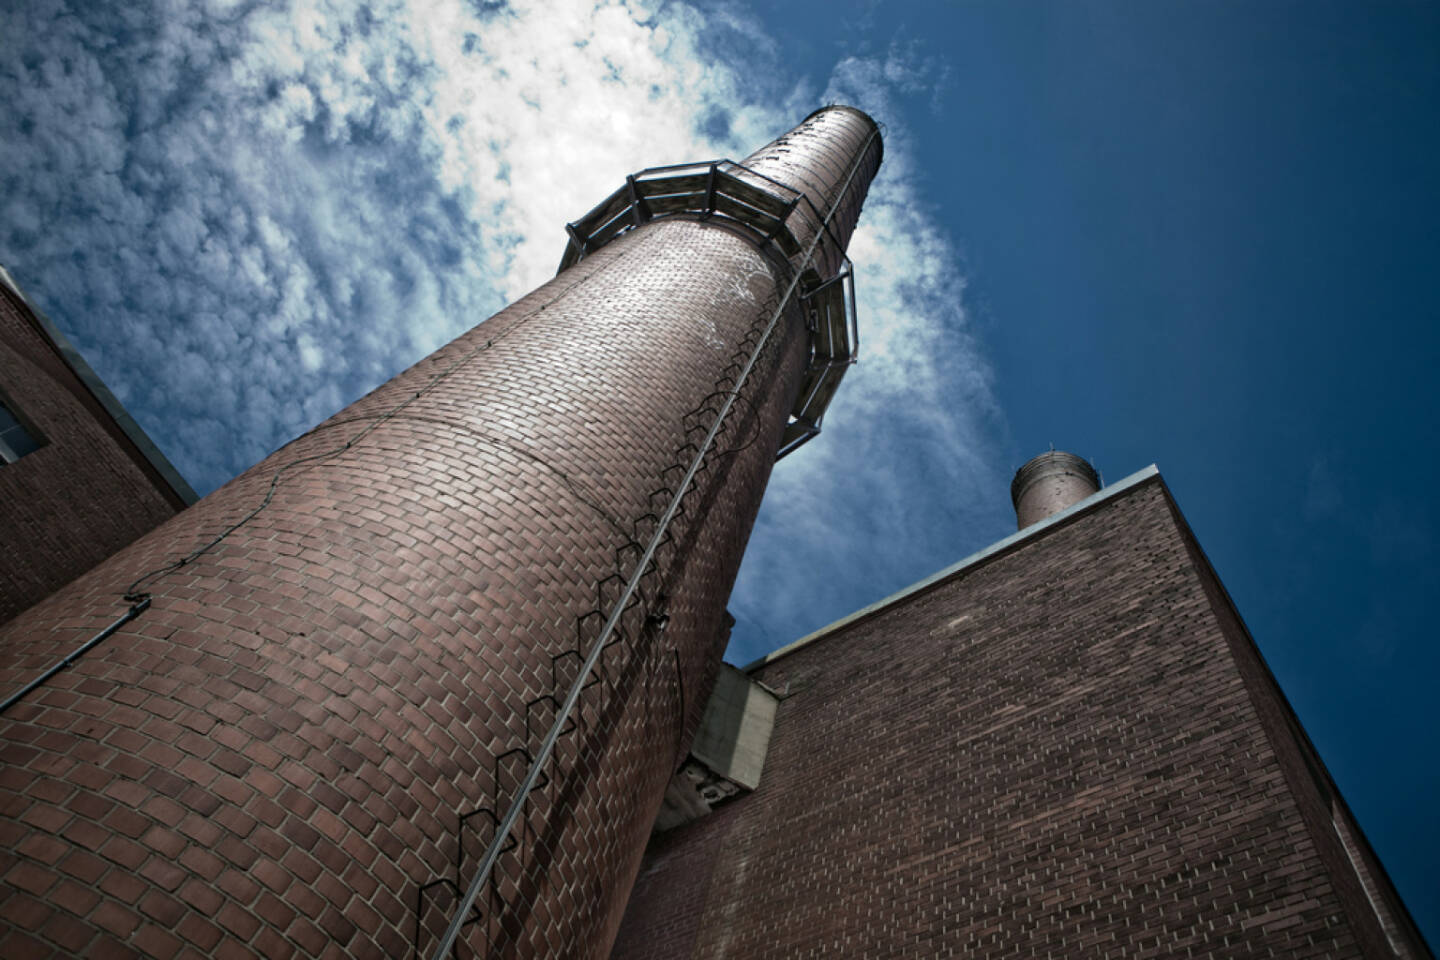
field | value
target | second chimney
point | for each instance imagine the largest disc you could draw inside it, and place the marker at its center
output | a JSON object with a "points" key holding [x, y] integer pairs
{"points": [[1049, 483]]}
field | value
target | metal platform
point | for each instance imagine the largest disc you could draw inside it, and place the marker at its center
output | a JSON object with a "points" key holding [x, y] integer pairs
{"points": [[716, 191]]}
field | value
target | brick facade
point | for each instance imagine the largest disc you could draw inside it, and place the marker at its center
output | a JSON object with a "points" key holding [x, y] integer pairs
{"points": [[1068, 748], [276, 756], [86, 492]]}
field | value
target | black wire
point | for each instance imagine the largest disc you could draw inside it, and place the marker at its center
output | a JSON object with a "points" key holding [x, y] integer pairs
{"points": [[132, 592], [587, 497]]}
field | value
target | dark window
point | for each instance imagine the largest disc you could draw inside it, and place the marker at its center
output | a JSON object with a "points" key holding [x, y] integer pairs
{"points": [[15, 439]]}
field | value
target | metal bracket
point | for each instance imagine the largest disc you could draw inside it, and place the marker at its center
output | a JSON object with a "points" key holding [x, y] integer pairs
{"points": [[834, 344]]}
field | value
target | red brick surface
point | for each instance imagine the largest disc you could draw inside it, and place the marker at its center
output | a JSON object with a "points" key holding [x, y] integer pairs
{"points": [[275, 757], [84, 494], [1381, 921], [1065, 750]]}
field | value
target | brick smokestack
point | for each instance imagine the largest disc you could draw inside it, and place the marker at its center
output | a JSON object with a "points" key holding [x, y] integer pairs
{"points": [[351, 651], [1048, 484]]}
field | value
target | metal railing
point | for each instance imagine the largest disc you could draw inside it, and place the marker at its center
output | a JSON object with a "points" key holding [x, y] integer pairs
{"points": [[723, 190]]}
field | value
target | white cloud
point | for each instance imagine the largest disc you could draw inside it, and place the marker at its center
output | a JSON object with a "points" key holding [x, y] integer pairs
{"points": [[248, 215], [340, 186], [905, 472]]}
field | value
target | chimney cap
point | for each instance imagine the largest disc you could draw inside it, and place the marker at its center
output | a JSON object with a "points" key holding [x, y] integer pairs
{"points": [[1075, 480]]}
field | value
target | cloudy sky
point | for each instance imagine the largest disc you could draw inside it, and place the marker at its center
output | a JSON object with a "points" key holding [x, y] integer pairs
{"points": [[1198, 234]]}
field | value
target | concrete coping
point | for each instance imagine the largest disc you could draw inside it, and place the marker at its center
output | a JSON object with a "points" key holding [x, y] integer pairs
{"points": [[1000, 546]]}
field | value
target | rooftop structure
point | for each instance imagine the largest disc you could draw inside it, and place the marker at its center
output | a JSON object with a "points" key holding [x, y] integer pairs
{"points": [[1066, 744]]}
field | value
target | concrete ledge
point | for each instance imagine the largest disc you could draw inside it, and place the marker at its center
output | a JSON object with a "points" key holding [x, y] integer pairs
{"points": [[728, 753]]}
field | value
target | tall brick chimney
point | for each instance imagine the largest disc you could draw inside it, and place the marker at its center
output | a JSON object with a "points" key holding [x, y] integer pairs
{"points": [[1049, 483], [324, 685]]}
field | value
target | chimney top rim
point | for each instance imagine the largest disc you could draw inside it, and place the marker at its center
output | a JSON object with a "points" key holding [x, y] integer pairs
{"points": [[1047, 464]]}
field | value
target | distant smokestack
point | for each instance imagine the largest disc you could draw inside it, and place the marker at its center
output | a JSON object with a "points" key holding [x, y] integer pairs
{"points": [[1048, 484]]}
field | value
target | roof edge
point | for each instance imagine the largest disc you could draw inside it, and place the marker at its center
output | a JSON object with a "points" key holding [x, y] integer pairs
{"points": [[980, 556], [1296, 727], [107, 400]]}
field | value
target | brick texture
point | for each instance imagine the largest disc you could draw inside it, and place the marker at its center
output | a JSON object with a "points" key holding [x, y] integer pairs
{"points": [[1070, 749], [324, 713], [84, 494]]}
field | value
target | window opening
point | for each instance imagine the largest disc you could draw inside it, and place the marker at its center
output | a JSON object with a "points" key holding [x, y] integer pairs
{"points": [[15, 439]]}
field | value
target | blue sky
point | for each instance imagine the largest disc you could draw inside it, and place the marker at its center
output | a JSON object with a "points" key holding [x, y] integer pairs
{"points": [[1196, 234]]}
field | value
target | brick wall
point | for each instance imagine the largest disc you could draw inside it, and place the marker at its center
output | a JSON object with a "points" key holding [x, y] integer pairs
{"points": [[1069, 749], [275, 758], [1379, 915], [84, 494]]}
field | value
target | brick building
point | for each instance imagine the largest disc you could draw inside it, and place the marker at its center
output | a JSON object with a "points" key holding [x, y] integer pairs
{"points": [[78, 477], [439, 670], [1066, 745]]}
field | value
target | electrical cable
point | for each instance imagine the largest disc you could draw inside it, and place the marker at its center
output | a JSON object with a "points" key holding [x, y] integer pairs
{"points": [[132, 591], [587, 497], [140, 600], [138, 607]]}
